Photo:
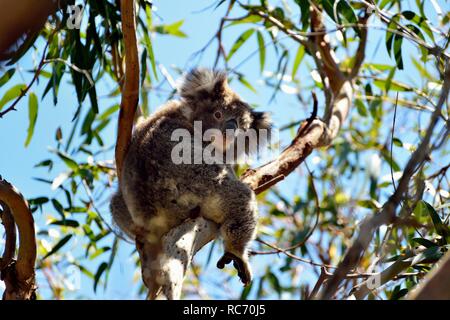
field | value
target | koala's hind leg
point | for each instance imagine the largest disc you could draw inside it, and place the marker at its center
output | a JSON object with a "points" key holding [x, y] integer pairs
{"points": [[238, 228]]}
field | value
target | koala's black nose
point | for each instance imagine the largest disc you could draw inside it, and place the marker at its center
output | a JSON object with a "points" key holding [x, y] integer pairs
{"points": [[231, 124]]}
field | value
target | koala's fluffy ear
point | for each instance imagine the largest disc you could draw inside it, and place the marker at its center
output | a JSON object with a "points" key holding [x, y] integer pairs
{"points": [[261, 120], [203, 84]]}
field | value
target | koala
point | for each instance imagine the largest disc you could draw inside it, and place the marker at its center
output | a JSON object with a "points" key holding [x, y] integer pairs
{"points": [[156, 195]]}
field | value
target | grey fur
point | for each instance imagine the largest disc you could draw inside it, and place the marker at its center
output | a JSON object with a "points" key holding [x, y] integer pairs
{"points": [[156, 195]]}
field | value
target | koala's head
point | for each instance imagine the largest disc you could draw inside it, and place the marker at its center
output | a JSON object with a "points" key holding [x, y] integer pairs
{"points": [[210, 100]]}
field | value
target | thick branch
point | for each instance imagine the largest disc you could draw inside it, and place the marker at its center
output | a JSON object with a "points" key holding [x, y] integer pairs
{"points": [[361, 51], [329, 65], [179, 247], [130, 93], [10, 233], [19, 277]]}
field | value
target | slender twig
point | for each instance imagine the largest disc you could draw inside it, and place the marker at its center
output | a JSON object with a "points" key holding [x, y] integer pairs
{"points": [[27, 88], [316, 222], [220, 48], [74, 67], [290, 255], [441, 171], [392, 143]]}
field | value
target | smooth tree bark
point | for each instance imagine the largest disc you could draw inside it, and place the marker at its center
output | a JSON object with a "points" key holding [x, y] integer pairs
{"points": [[18, 275]]}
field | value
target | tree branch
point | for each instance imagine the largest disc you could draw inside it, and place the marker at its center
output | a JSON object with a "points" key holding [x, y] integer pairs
{"points": [[19, 276], [10, 235], [130, 93]]}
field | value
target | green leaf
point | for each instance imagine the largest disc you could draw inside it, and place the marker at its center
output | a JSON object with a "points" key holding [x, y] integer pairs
{"points": [[362, 110], [246, 291], [304, 10], [45, 163], [66, 223], [398, 40], [88, 120], [85, 271], [37, 201], [171, 29], [99, 252], [143, 66], [424, 242], [393, 85], [93, 98], [424, 207], [11, 94], [105, 114], [397, 142], [419, 33], [99, 273], [59, 208], [32, 116], [239, 42], [58, 246], [375, 108], [387, 157], [274, 282], [369, 204], [72, 164], [421, 68], [6, 76], [262, 50], [384, 3], [389, 80], [346, 11], [148, 42], [420, 21], [247, 84], [297, 60], [253, 18], [399, 293], [379, 67], [389, 35], [429, 255]]}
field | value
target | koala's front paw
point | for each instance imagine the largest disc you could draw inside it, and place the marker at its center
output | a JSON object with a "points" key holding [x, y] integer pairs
{"points": [[242, 266]]}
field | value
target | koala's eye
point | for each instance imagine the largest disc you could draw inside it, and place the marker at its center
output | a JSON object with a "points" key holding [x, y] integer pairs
{"points": [[218, 115]]}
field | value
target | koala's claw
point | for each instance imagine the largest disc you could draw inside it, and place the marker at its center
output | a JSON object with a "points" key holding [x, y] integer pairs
{"points": [[241, 266]]}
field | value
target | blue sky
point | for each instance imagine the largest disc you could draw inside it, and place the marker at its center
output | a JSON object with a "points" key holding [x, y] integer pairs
{"points": [[17, 162]]}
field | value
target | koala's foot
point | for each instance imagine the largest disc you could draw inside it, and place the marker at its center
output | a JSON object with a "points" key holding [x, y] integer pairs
{"points": [[242, 266]]}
